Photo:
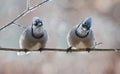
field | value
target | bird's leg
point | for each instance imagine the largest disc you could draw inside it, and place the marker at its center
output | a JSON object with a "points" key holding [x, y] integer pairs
{"points": [[88, 49], [40, 49], [26, 50], [69, 49]]}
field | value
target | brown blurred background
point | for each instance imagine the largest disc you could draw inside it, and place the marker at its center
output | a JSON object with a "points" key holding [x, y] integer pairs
{"points": [[59, 16]]}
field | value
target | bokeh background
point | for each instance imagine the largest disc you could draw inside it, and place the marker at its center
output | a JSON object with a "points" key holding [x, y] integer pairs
{"points": [[59, 16]]}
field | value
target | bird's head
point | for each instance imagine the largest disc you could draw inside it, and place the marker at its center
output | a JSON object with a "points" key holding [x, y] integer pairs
{"points": [[87, 23], [37, 22], [84, 27]]}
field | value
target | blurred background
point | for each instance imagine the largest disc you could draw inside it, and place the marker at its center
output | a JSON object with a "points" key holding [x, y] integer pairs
{"points": [[59, 16]]}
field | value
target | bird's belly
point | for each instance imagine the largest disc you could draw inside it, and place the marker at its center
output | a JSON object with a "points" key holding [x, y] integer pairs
{"points": [[35, 47], [80, 45]]}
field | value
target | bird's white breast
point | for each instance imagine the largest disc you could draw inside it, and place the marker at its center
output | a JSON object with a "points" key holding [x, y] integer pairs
{"points": [[81, 45], [36, 46]]}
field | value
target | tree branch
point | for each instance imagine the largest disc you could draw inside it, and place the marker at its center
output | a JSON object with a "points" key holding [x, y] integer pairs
{"points": [[28, 4], [19, 25], [23, 13], [61, 50]]}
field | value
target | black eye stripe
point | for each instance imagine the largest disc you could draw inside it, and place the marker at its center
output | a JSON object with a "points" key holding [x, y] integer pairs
{"points": [[35, 24], [38, 24], [86, 26]]}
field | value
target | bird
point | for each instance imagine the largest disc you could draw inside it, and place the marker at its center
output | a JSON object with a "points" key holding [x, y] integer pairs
{"points": [[81, 36], [34, 37]]}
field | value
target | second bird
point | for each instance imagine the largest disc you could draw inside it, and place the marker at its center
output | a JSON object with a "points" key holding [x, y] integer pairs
{"points": [[81, 36]]}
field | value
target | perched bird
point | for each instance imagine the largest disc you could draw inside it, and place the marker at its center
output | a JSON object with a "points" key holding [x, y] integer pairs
{"points": [[34, 37], [81, 36]]}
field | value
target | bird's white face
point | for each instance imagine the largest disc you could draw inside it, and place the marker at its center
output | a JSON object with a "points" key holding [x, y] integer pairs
{"points": [[37, 25], [37, 22], [38, 28], [82, 31]]}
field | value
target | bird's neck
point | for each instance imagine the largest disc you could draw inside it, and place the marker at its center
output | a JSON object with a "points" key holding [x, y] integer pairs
{"points": [[37, 32]]}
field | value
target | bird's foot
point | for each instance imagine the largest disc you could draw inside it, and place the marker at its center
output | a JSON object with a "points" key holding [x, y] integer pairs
{"points": [[69, 49], [40, 50], [117, 50], [88, 49], [26, 50]]}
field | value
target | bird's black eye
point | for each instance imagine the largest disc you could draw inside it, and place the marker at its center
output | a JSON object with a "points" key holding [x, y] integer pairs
{"points": [[34, 23], [84, 25]]}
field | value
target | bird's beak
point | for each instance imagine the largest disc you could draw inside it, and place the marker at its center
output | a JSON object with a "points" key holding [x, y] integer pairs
{"points": [[84, 29], [40, 24]]}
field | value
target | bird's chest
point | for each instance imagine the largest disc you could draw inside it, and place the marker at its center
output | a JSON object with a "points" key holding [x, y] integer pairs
{"points": [[35, 46], [80, 45]]}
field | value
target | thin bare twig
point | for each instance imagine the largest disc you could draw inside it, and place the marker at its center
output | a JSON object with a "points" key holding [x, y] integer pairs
{"points": [[23, 13], [55, 49], [28, 4], [19, 25]]}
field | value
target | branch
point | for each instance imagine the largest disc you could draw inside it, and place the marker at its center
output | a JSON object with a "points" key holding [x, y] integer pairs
{"points": [[19, 25], [23, 13], [61, 50], [28, 4]]}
